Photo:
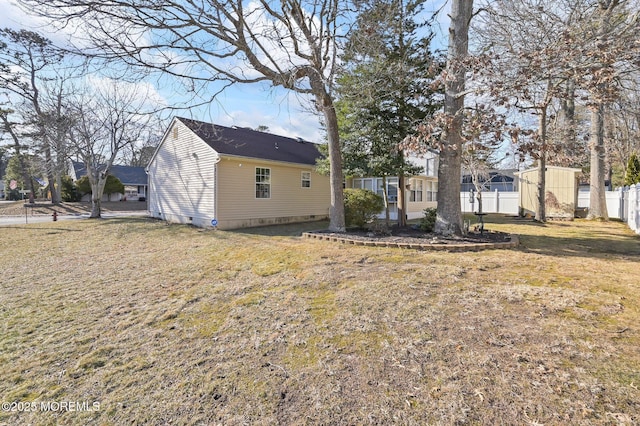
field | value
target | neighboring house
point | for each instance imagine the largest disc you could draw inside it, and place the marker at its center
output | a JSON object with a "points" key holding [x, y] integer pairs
{"points": [[133, 178], [561, 191], [585, 186], [421, 191], [2, 194], [497, 180], [231, 177]]}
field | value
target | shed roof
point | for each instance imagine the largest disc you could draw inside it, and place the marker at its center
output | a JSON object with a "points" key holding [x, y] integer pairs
{"points": [[128, 175], [245, 142], [547, 168]]}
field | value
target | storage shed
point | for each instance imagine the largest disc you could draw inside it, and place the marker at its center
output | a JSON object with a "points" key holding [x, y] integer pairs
{"points": [[561, 191]]}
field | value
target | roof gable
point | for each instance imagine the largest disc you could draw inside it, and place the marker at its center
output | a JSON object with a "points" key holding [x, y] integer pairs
{"points": [[243, 142]]}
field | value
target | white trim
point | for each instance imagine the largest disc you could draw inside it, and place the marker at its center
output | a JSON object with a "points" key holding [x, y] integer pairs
{"points": [[255, 176], [303, 180]]}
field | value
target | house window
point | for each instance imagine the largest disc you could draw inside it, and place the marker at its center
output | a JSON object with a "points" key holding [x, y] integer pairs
{"points": [[416, 191], [263, 182], [432, 191], [430, 169], [363, 183], [306, 179]]}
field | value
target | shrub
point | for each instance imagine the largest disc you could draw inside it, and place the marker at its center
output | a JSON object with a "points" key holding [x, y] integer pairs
{"points": [[69, 192], [111, 186], [428, 222], [361, 206]]}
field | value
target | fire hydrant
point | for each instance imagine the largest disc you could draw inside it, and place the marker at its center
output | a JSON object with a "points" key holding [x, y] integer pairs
{"points": [[55, 216]]}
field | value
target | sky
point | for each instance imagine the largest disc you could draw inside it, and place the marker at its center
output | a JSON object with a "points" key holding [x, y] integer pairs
{"points": [[246, 105]]}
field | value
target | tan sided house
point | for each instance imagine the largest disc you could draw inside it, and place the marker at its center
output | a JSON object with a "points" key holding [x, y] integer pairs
{"points": [[421, 191], [229, 177]]}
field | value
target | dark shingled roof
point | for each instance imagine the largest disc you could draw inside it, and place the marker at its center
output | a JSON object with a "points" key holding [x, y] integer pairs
{"points": [[244, 142], [128, 175]]}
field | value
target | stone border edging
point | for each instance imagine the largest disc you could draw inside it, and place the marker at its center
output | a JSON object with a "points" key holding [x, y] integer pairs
{"points": [[515, 241]]}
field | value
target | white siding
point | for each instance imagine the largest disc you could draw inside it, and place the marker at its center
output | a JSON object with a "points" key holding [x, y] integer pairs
{"points": [[427, 160], [182, 178]]}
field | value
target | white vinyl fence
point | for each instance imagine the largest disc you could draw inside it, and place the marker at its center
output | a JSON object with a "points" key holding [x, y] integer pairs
{"points": [[623, 204], [617, 202], [633, 208], [492, 202]]}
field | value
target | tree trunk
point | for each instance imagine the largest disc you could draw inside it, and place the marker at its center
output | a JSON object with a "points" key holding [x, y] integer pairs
{"points": [[449, 214], [541, 213], [97, 189], [28, 180], [402, 202], [336, 210], [385, 195], [96, 209], [597, 196]]}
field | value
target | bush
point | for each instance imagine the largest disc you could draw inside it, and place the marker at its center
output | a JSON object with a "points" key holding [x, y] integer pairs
{"points": [[428, 222], [361, 206], [69, 192], [111, 186]]}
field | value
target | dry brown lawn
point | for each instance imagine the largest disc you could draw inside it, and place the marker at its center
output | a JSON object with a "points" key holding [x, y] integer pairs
{"points": [[160, 324]]}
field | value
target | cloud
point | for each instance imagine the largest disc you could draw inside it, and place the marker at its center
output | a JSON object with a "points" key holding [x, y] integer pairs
{"points": [[282, 113], [14, 17]]}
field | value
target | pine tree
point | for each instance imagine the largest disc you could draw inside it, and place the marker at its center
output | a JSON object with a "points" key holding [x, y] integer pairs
{"points": [[632, 176], [384, 89]]}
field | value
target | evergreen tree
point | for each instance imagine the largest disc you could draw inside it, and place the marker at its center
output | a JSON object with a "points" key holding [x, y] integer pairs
{"points": [[113, 186], [384, 89], [632, 176]]}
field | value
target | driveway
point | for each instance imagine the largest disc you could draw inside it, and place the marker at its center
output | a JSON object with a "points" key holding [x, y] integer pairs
{"points": [[21, 220]]}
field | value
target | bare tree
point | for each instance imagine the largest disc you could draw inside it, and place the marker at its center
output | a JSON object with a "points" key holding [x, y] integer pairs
{"points": [[622, 123], [449, 211], [562, 50], [292, 44], [32, 79], [527, 68], [108, 118], [445, 131], [483, 129], [611, 46]]}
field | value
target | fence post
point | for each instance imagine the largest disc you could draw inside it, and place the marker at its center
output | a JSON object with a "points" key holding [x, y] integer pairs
{"points": [[633, 208], [636, 213]]}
